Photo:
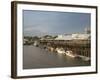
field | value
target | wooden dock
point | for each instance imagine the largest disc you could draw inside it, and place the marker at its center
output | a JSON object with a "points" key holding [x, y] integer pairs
{"points": [[79, 47]]}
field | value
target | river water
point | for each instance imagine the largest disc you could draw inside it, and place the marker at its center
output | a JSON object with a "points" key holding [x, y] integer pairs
{"points": [[35, 57]]}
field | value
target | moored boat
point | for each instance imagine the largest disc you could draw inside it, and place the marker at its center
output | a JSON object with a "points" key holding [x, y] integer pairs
{"points": [[60, 50], [36, 43], [70, 54], [84, 58]]}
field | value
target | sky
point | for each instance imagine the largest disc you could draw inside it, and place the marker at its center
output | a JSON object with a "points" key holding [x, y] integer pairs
{"points": [[40, 23]]}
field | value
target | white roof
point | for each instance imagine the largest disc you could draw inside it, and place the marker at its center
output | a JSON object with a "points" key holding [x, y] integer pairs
{"points": [[73, 36], [68, 37]]}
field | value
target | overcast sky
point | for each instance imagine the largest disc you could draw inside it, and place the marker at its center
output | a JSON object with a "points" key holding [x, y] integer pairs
{"points": [[39, 23]]}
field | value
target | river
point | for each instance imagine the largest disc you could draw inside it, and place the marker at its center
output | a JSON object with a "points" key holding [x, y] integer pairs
{"points": [[35, 57]]}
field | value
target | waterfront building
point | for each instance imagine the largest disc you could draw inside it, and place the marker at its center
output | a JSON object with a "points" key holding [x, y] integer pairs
{"points": [[77, 36]]}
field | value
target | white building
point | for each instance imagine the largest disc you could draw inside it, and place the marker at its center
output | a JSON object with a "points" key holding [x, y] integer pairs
{"points": [[81, 36], [64, 37], [76, 36]]}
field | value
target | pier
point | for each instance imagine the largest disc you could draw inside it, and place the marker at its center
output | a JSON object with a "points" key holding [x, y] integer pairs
{"points": [[79, 47]]}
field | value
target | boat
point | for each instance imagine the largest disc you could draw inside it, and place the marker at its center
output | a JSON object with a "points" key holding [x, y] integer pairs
{"points": [[60, 50], [36, 43], [70, 54], [50, 49], [84, 58]]}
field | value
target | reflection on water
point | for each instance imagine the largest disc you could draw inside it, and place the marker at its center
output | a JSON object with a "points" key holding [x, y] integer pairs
{"points": [[35, 57]]}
